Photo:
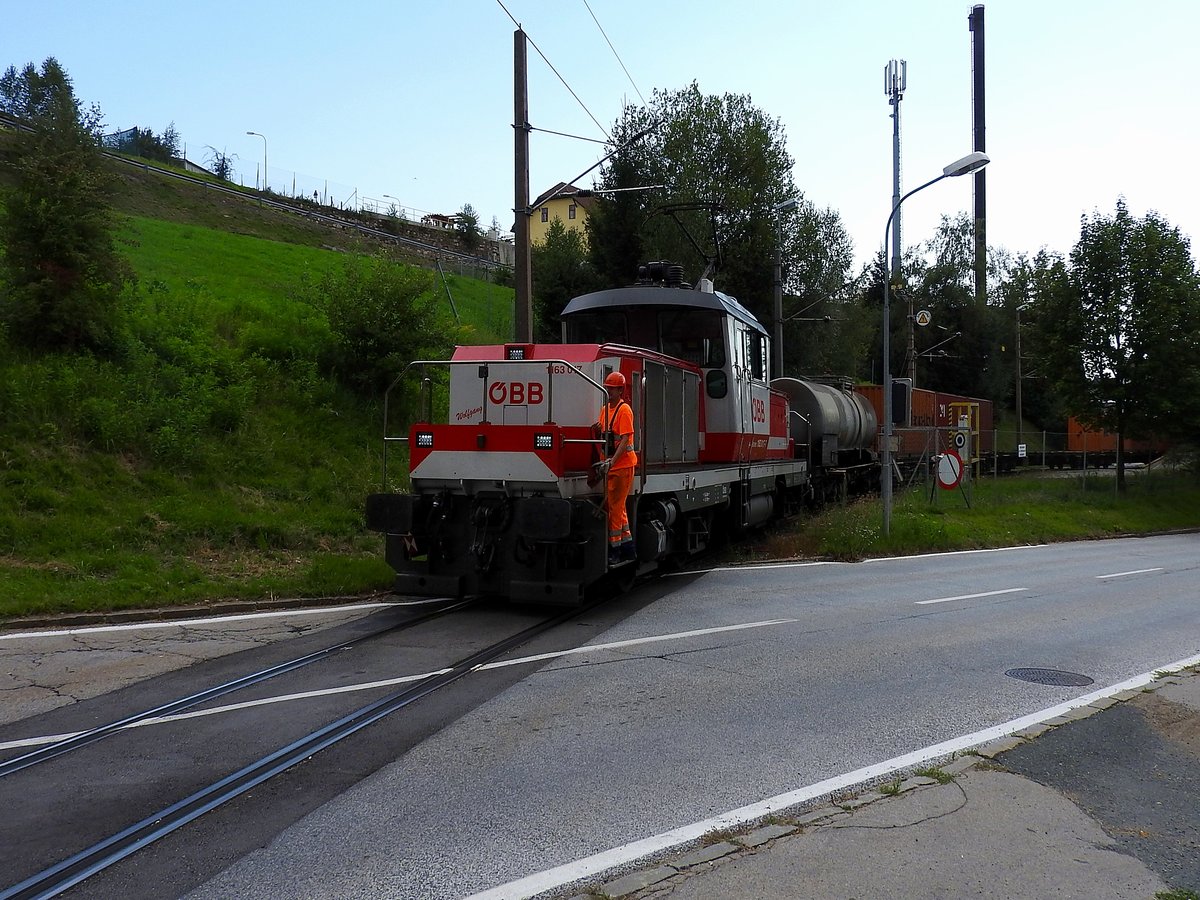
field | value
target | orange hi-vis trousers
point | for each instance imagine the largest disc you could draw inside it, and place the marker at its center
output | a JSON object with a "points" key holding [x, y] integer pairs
{"points": [[618, 485]]}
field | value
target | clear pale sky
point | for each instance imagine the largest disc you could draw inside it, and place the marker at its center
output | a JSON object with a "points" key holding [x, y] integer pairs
{"points": [[1085, 101]]}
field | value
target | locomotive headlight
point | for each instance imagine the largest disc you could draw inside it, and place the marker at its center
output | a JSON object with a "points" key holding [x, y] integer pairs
{"points": [[516, 353], [543, 442], [425, 439]]}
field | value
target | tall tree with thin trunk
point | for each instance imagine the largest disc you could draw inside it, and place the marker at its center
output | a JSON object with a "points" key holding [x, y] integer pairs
{"points": [[706, 174], [62, 277]]}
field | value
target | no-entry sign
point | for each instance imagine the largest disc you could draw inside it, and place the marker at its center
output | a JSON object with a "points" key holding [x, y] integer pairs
{"points": [[949, 471]]}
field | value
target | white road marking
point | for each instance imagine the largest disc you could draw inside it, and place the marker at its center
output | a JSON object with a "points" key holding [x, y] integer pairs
{"points": [[1134, 572], [404, 679], [793, 565], [875, 559], [971, 596], [211, 620], [633, 642], [589, 866]]}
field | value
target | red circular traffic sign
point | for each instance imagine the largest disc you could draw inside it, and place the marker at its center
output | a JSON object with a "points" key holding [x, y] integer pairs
{"points": [[949, 471]]}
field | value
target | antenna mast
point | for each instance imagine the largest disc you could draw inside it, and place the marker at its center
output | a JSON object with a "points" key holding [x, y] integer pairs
{"points": [[895, 81]]}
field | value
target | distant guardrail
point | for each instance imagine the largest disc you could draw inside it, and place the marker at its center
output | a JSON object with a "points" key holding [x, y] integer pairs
{"points": [[255, 196]]}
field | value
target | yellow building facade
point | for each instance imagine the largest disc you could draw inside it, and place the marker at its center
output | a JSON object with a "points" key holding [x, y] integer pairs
{"points": [[565, 202]]}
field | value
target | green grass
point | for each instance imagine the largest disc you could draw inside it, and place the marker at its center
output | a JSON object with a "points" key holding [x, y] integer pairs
{"points": [[213, 458], [1004, 512], [937, 774], [273, 509], [210, 459], [232, 271]]}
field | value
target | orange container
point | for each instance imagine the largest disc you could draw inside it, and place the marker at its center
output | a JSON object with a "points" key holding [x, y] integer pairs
{"points": [[932, 413]]}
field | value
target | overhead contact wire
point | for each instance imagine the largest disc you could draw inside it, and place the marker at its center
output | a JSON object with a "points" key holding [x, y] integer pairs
{"points": [[614, 51], [546, 60]]}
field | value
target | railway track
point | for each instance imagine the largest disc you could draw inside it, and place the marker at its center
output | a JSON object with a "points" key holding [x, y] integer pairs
{"points": [[71, 871], [83, 739]]}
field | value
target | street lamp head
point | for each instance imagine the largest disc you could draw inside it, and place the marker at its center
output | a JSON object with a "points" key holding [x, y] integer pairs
{"points": [[972, 162], [785, 205]]}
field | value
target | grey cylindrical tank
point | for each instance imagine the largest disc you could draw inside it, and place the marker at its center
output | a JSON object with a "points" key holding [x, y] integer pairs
{"points": [[827, 417]]}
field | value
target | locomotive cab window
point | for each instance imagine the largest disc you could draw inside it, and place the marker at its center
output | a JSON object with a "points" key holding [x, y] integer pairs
{"points": [[716, 383], [597, 328], [692, 336], [754, 348]]}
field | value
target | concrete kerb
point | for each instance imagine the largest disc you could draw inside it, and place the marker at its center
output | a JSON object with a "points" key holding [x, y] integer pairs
{"points": [[172, 613], [645, 883]]}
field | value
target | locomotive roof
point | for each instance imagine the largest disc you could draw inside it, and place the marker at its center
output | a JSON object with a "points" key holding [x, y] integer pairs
{"points": [[648, 295]]}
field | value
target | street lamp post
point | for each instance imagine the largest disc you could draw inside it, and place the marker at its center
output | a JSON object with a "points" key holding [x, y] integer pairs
{"points": [[264, 139], [972, 162], [778, 209]]}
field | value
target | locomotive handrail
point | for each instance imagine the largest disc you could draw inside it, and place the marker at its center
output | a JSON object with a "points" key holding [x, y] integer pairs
{"points": [[807, 444], [483, 363]]}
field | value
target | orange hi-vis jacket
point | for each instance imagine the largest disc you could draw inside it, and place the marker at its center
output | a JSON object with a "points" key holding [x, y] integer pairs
{"points": [[620, 422]]}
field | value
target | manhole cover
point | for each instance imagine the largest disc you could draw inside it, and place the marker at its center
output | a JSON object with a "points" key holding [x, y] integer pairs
{"points": [[1055, 677]]}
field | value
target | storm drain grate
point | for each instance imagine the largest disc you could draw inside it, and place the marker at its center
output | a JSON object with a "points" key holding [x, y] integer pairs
{"points": [[1056, 677]]}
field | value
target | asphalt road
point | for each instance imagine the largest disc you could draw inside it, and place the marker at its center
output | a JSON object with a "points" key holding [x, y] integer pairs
{"points": [[1135, 772], [64, 681], [734, 686]]}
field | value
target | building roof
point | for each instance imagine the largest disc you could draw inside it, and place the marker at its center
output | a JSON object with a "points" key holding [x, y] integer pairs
{"points": [[561, 191]]}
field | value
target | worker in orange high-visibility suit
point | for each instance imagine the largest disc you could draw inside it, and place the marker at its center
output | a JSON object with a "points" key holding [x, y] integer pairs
{"points": [[616, 417]]}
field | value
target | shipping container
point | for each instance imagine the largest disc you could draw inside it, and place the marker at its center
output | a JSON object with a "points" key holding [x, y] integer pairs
{"points": [[1080, 439], [933, 420]]}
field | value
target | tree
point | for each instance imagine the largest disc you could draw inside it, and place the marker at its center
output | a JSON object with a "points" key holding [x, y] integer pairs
{"points": [[1012, 296], [614, 224], [467, 225], [561, 271], [1120, 327], [827, 328], [221, 163], [722, 166], [145, 143], [64, 277]]}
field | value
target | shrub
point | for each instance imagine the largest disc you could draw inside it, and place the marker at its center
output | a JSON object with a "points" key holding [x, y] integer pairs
{"points": [[382, 315]]}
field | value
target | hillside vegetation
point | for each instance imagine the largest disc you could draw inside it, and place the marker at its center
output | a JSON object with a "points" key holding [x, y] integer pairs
{"points": [[217, 452]]}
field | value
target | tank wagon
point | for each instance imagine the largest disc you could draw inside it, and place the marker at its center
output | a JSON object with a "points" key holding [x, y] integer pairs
{"points": [[502, 497]]}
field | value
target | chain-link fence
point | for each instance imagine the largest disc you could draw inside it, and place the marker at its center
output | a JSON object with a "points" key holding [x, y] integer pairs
{"points": [[918, 451]]}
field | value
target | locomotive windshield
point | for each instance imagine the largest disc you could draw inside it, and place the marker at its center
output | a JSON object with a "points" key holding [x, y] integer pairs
{"points": [[688, 334], [692, 336], [597, 328]]}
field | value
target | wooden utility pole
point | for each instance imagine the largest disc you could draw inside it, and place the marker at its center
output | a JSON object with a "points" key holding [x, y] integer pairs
{"points": [[523, 269]]}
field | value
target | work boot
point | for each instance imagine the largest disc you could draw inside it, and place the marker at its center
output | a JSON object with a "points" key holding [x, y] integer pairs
{"points": [[627, 551]]}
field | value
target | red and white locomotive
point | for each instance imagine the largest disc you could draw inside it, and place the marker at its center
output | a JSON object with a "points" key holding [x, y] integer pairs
{"points": [[501, 501]]}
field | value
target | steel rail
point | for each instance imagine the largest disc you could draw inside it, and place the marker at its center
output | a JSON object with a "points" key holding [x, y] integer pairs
{"points": [[83, 739], [77, 868]]}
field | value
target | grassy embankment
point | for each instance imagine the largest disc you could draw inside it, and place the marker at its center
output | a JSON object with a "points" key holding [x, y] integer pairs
{"points": [[1031, 508], [212, 457]]}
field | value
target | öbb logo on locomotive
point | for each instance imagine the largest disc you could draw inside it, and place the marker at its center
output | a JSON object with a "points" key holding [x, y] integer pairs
{"points": [[498, 500], [516, 393]]}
